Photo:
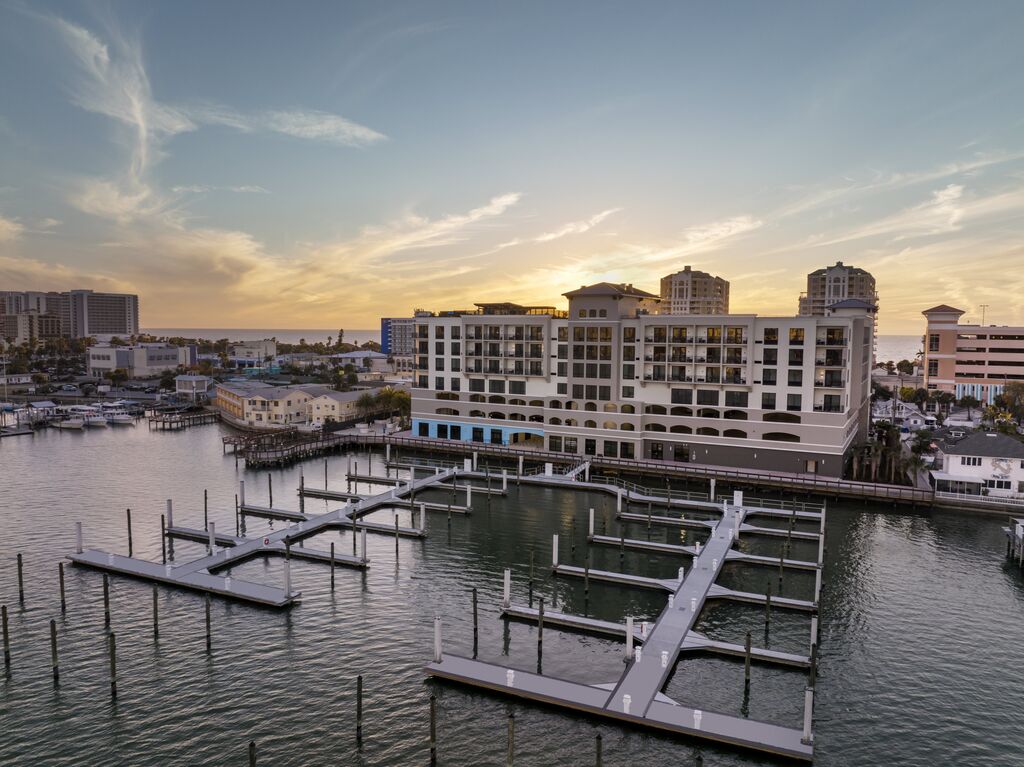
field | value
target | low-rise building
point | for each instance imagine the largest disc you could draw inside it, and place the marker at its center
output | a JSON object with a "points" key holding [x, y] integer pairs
{"points": [[374, 362], [253, 353], [139, 361], [979, 463], [193, 387]]}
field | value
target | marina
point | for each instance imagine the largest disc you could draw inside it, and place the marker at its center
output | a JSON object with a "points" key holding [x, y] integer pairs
{"points": [[401, 593]]}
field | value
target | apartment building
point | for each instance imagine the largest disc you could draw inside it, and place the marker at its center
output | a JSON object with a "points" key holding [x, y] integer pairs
{"points": [[140, 361], [260, 405], [81, 313], [253, 352], [25, 326], [970, 360], [610, 377], [835, 283], [694, 292]]}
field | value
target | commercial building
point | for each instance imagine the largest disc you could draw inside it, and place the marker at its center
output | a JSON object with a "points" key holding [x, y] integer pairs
{"points": [[694, 292], [970, 360], [253, 353], [396, 335], [835, 283], [140, 361], [193, 387], [610, 378], [980, 463], [25, 326]]}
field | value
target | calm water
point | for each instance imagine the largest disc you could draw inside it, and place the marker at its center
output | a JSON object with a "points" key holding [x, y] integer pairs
{"points": [[285, 336], [920, 662]]}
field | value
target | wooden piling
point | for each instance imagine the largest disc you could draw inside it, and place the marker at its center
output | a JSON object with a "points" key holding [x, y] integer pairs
{"points": [[128, 514], [63, 601], [209, 635], [476, 632], [540, 629], [812, 672], [206, 509], [332, 565], [252, 753], [396, 537], [21, 582], [106, 600], [270, 489], [359, 709], [112, 649], [163, 538], [156, 614], [53, 651], [511, 740], [7, 636], [767, 606], [433, 729], [746, 663]]}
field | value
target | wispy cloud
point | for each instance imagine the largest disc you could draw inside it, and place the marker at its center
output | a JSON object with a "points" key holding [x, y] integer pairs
{"points": [[203, 188], [10, 229], [576, 227]]}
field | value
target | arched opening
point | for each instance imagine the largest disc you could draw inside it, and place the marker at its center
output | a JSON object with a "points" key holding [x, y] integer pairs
{"points": [[477, 398], [446, 411], [570, 421], [707, 431], [782, 417], [707, 412], [537, 403], [555, 404], [496, 415], [496, 399], [590, 406], [570, 405], [520, 402], [655, 427], [610, 425], [681, 430], [628, 410], [736, 415], [477, 414], [627, 427], [446, 395], [516, 417], [737, 433], [590, 424], [780, 436], [555, 421], [609, 407], [682, 411], [537, 418], [655, 410]]}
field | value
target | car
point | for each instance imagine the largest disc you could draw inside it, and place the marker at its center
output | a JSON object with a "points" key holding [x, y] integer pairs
{"points": [[69, 387], [151, 390]]}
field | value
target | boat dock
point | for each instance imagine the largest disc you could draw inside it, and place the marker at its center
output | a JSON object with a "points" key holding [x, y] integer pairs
{"points": [[176, 421], [1015, 540], [226, 551], [637, 696]]}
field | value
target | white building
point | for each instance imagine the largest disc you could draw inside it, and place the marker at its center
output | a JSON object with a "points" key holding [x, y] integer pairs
{"points": [[608, 378], [374, 362], [980, 463], [139, 361], [253, 353], [193, 387]]}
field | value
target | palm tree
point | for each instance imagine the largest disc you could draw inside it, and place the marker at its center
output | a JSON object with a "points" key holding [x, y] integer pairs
{"points": [[366, 403], [970, 403]]}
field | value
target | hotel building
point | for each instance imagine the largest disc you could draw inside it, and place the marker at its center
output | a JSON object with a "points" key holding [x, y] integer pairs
{"points": [[835, 283], [970, 360], [610, 377], [81, 313], [690, 292]]}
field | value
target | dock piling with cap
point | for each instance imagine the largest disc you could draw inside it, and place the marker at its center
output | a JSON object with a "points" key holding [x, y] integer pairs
{"points": [[433, 729], [63, 601], [112, 650], [106, 600], [53, 651], [156, 614], [21, 581], [128, 514], [359, 706], [209, 634], [7, 636]]}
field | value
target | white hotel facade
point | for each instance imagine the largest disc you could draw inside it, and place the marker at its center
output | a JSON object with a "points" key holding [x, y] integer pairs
{"points": [[609, 377]]}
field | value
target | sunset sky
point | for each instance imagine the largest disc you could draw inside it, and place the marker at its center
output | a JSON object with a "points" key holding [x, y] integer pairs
{"points": [[314, 165]]}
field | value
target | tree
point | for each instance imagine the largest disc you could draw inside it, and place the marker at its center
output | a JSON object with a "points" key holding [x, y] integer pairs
{"points": [[880, 393], [905, 366], [970, 403], [890, 367], [366, 404], [117, 376], [341, 337], [1013, 399]]}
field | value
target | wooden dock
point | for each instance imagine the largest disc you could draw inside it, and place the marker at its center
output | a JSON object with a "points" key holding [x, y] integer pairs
{"points": [[176, 421]]}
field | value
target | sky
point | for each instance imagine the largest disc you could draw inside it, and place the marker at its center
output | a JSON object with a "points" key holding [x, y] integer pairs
{"points": [[280, 165]]}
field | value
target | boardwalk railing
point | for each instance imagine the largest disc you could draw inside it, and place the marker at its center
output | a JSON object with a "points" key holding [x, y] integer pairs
{"points": [[995, 501]]}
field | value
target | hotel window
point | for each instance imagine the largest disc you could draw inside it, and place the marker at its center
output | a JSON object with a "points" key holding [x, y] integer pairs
{"points": [[629, 371], [517, 387], [555, 444], [682, 396], [582, 313], [456, 348], [578, 370], [570, 445], [768, 400], [439, 347], [768, 377], [562, 369], [496, 387], [591, 391], [439, 382], [590, 447], [933, 367], [933, 342], [604, 393], [627, 392], [439, 363], [771, 357], [735, 399], [456, 332], [771, 335], [563, 351], [563, 388], [796, 356], [626, 449], [611, 449], [604, 371], [796, 335], [577, 391], [602, 313], [707, 396], [476, 384], [793, 401], [629, 335], [456, 365], [455, 384], [563, 334], [439, 331], [796, 378]]}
